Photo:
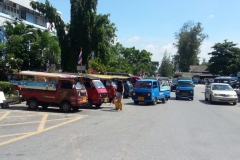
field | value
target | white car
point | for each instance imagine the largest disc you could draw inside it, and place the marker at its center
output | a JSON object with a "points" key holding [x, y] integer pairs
{"points": [[220, 92]]}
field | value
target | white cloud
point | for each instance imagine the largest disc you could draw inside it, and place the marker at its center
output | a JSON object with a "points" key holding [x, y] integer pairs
{"points": [[205, 49], [133, 39], [211, 16], [158, 51]]}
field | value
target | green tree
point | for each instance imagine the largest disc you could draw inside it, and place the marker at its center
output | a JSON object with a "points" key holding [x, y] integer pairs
{"points": [[86, 30], [225, 59], [189, 40], [166, 67]]}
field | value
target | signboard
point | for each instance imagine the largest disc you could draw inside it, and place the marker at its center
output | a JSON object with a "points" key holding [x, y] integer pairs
{"points": [[81, 68]]}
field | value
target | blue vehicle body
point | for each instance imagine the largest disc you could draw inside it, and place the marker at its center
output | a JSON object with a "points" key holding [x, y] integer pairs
{"points": [[185, 89], [148, 90], [164, 83]]}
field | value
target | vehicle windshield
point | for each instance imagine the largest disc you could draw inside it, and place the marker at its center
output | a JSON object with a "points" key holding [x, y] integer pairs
{"points": [[222, 87], [79, 86], [114, 84], [145, 84], [98, 84], [185, 83], [174, 80]]}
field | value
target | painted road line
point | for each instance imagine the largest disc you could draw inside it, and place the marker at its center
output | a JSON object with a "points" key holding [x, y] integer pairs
{"points": [[34, 122], [17, 134], [37, 132], [5, 115], [42, 123]]}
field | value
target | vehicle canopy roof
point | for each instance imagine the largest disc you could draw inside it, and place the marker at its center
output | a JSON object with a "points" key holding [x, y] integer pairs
{"points": [[147, 80], [46, 74], [158, 78]]}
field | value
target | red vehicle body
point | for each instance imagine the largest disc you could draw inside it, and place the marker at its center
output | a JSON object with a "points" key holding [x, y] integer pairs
{"points": [[66, 94], [97, 93]]}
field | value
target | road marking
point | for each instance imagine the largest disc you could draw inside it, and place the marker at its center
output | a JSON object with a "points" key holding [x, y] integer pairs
{"points": [[34, 122], [37, 132], [5, 115], [17, 134], [42, 123]]}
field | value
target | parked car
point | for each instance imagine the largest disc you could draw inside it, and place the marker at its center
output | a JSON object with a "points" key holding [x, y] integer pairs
{"points": [[220, 92]]}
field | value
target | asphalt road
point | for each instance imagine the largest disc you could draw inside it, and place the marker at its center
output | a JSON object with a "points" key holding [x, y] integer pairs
{"points": [[177, 130]]}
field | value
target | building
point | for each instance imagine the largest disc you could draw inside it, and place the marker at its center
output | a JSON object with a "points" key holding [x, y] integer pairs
{"points": [[20, 10]]}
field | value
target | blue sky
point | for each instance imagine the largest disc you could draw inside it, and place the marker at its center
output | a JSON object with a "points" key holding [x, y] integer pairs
{"points": [[151, 24]]}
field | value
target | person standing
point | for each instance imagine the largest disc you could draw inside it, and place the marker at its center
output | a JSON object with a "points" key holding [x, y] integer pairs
{"points": [[120, 91]]}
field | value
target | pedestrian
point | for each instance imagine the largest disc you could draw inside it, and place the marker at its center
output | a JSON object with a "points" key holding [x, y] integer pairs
{"points": [[120, 91]]}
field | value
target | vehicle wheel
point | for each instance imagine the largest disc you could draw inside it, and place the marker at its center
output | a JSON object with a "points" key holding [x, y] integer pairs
{"points": [[90, 103], [45, 105], [192, 99], [66, 107], [176, 98], [234, 103], [136, 102], [154, 102], [164, 100], [98, 105], [33, 104], [210, 99]]}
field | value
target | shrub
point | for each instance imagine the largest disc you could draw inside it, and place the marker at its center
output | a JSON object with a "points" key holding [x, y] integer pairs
{"points": [[5, 86]]}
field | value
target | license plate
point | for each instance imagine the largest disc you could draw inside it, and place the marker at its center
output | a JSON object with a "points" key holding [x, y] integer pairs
{"points": [[105, 100], [84, 99], [141, 98], [184, 94]]}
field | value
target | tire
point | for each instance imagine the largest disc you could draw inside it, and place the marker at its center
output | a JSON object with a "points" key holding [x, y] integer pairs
{"points": [[154, 102], [98, 105], [33, 104], [192, 99], [136, 102], [234, 103], [66, 107], [176, 98], [163, 100], [45, 105], [90, 103]]}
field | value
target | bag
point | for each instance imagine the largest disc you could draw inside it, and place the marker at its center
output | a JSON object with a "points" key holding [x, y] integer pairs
{"points": [[117, 106]]}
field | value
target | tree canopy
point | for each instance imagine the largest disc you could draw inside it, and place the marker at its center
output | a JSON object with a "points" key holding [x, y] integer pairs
{"points": [[189, 39], [225, 59]]}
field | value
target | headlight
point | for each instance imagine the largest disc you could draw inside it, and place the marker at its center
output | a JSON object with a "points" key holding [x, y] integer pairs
{"points": [[100, 95], [215, 94], [191, 91], [134, 93], [149, 94]]}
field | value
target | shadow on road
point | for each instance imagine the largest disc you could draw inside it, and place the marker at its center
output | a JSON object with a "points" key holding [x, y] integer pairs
{"points": [[215, 103]]}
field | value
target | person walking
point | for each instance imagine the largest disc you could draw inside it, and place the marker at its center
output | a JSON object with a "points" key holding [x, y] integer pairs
{"points": [[120, 91]]}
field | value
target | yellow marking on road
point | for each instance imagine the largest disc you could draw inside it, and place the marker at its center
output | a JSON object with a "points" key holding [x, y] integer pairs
{"points": [[42, 123], [11, 135], [33, 122], [5, 115], [23, 116], [37, 132]]}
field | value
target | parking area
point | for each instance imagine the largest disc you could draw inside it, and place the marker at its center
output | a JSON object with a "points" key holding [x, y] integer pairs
{"points": [[16, 125]]}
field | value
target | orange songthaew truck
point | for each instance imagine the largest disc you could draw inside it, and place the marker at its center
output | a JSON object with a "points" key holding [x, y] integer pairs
{"points": [[52, 89]]}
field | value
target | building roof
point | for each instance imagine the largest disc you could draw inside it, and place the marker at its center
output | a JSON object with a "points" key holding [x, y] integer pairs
{"points": [[198, 68]]}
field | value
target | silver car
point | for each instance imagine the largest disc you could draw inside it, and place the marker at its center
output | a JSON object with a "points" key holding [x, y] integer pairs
{"points": [[220, 92]]}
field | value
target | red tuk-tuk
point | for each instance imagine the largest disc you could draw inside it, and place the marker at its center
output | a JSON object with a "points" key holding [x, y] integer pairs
{"points": [[97, 93]]}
